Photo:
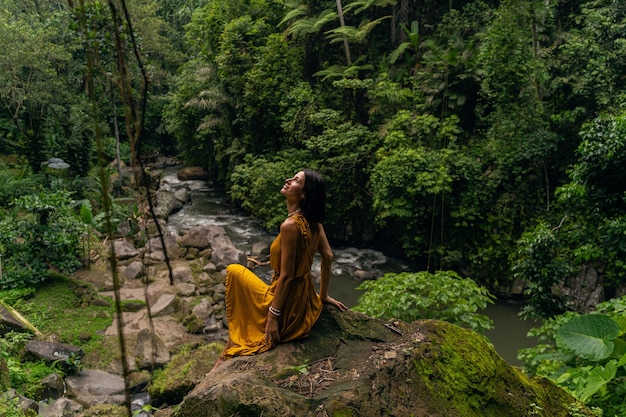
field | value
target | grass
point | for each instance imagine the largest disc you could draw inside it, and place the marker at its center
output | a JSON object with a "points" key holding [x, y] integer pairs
{"points": [[62, 310]]}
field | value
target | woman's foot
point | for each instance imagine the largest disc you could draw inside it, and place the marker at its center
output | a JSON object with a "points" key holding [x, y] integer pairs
{"points": [[218, 362]]}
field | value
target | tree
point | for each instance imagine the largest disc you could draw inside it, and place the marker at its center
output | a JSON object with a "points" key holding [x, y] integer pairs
{"points": [[33, 87]]}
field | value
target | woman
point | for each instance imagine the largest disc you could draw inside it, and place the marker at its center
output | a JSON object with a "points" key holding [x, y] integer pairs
{"points": [[260, 315]]}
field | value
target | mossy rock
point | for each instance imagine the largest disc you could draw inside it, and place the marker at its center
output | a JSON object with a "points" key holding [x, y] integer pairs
{"points": [[352, 365], [183, 373]]}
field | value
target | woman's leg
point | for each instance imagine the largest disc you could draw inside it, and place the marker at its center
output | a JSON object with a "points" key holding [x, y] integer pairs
{"points": [[222, 358]]}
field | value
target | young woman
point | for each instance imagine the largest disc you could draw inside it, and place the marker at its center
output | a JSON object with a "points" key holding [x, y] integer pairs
{"points": [[260, 315]]}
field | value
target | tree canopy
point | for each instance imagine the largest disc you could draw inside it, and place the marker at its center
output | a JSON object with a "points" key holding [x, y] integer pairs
{"points": [[484, 137]]}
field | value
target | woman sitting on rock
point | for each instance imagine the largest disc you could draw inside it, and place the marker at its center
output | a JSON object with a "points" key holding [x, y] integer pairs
{"points": [[259, 315]]}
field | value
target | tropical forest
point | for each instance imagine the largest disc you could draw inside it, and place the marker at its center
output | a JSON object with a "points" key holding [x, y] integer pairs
{"points": [[482, 141]]}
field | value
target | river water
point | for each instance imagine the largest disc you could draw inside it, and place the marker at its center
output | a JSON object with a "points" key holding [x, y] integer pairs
{"points": [[209, 206]]}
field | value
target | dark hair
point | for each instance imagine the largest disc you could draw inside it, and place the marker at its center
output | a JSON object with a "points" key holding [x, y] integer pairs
{"points": [[313, 204]]}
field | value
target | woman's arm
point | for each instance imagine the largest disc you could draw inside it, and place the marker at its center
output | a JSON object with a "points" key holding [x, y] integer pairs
{"points": [[323, 247], [288, 245]]}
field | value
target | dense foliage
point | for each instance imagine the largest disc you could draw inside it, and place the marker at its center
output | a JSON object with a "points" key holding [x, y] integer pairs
{"points": [[477, 136], [585, 354], [40, 233]]}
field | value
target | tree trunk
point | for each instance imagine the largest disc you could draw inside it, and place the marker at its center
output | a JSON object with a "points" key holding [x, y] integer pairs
{"points": [[346, 45]]}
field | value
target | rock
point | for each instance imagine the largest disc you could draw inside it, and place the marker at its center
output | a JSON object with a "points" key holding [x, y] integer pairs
{"points": [[183, 195], [5, 380], [183, 373], [203, 309], [60, 407], [182, 273], [26, 405], [133, 305], [583, 290], [166, 304], [166, 204], [51, 352], [352, 362], [196, 237], [186, 289], [11, 320], [52, 386], [155, 245], [193, 173], [145, 352], [260, 250], [364, 275], [134, 270], [224, 252], [124, 249], [90, 387]]}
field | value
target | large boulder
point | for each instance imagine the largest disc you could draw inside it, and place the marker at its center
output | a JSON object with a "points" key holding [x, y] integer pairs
{"points": [[166, 204], [352, 365], [193, 173]]}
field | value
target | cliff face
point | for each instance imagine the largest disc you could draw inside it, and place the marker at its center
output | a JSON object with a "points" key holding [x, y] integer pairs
{"points": [[352, 365]]}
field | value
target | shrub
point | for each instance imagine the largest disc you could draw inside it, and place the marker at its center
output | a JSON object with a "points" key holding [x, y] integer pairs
{"points": [[411, 296], [40, 233]]}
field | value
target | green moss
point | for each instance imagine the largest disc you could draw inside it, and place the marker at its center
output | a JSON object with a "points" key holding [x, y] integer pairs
{"points": [[133, 305], [64, 308], [462, 372], [182, 373], [193, 324]]}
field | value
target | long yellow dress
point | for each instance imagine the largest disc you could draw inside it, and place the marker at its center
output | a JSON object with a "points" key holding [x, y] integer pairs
{"points": [[248, 299]]}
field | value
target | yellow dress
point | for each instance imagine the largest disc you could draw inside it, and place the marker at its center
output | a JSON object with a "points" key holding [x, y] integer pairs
{"points": [[248, 299]]}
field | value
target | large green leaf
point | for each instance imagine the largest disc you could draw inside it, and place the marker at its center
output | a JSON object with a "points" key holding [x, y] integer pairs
{"points": [[590, 336]]}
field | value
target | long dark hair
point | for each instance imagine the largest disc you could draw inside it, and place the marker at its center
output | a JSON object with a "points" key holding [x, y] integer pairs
{"points": [[313, 204]]}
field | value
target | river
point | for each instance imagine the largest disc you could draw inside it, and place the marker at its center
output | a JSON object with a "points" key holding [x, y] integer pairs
{"points": [[209, 206]]}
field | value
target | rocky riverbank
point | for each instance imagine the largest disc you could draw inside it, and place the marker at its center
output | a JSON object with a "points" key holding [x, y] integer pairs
{"points": [[174, 327]]}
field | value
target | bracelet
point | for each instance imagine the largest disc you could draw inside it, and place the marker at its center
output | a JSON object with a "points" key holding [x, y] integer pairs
{"points": [[275, 311]]}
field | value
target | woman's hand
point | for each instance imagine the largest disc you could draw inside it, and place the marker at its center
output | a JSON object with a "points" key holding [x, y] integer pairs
{"points": [[272, 334], [330, 300]]}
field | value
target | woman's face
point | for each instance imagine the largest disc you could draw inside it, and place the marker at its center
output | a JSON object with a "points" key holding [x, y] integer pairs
{"points": [[294, 186]]}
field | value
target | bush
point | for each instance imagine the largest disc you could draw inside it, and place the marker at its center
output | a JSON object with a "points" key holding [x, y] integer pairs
{"points": [[411, 296], [40, 233], [584, 354]]}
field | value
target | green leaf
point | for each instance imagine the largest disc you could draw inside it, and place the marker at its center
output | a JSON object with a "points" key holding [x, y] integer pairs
{"points": [[590, 336], [597, 379]]}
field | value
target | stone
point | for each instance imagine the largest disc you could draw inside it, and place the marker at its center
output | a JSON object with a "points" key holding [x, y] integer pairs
{"points": [[203, 309], [147, 357], [155, 245], [124, 249], [364, 275], [197, 237], [183, 195], [53, 387], [193, 173], [353, 362], [26, 405], [11, 320], [186, 289], [60, 407], [260, 250], [182, 273], [166, 204], [166, 304], [50, 352], [134, 270], [91, 387]]}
